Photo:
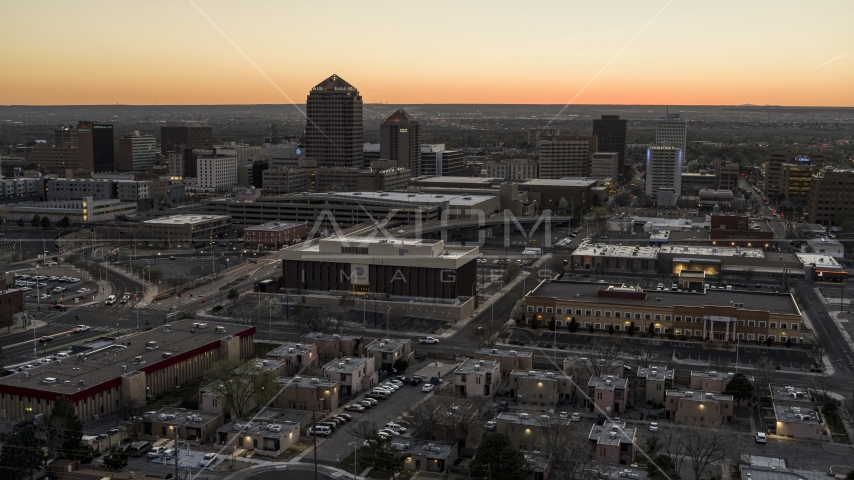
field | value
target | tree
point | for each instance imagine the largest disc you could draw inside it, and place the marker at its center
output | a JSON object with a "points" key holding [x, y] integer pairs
{"points": [[21, 455], [64, 222], [644, 355], [328, 319], [564, 447], [601, 360], [739, 387], [64, 430], [497, 459], [400, 365], [378, 454], [45, 222], [674, 447], [490, 334], [117, 458], [36, 221], [850, 475], [517, 314], [240, 385], [705, 446], [510, 273], [562, 204], [233, 295]]}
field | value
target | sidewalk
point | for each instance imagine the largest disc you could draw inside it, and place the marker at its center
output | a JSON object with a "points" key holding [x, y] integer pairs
{"points": [[15, 330]]}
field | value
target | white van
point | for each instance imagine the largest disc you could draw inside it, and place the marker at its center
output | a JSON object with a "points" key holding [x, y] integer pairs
{"points": [[320, 431]]}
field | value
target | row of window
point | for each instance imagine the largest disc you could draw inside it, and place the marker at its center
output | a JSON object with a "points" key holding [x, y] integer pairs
{"points": [[678, 331], [657, 317]]}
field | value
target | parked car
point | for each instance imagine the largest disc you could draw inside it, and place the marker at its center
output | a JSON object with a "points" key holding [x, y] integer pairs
{"points": [[355, 408], [428, 388], [320, 431], [416, 380], [365, 404], [390, 432], [502, 406], [395, 427], [490, 426], [156, 452], [761, 438], [346, 416], [653, 427], [208, 459], [576, 417], [372, 401]]}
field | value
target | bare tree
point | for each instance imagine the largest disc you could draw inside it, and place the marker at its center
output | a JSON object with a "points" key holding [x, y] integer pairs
{"points": [[671, 439], [600, 361], [846, 411], [448, 418], [705, 446], [819, 347], [644, 355], [489, 335], [328, 319], [564, 447], [764, 370]]}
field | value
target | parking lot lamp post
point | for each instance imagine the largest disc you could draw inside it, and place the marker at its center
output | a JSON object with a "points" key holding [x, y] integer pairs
{"points": [[388, 322], [355, 457]]}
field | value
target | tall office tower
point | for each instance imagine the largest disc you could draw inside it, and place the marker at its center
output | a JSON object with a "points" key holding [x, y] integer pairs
{"points": [[536, 134], [400, 140], [191, 134], [217, 170], [671, 131], [611, 132], [831, 197], [605, 165], [772, 170], [65, 136], [136, 152], [275, 136], [436, 161], [663, 169], [726, 175], [564, 156], [334, 134], [95, 148], [370, 153]]}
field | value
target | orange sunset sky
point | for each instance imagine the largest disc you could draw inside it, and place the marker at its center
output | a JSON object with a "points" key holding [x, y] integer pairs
{"points": [[463, 51]]}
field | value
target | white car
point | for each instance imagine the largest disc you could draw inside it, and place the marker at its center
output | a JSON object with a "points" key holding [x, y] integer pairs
{"points": [[83, 290], [156, 452], [761, 438], [81, 328], [428, 388], [653, 427], [390, 432], [395, 427], [110, 300], [576, 417], [208, 459]]}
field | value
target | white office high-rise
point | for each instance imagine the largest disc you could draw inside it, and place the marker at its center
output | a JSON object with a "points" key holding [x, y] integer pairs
{"points": [[671, 131], [663, 169]]}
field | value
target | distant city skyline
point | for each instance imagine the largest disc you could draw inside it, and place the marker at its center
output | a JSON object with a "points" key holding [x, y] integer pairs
{"points": [[205, 52]]}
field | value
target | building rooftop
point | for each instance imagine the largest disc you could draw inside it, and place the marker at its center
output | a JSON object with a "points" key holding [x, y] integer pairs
{"points": [[612, 433], [791, 394], [455, 200], [608, 382], [608, 250], [824, 242], [780, 303], [760, 461], [546, 375], [115, 357], [316, 382], [531, 418], [486, 181], [476, 366], [388, 345], [608, 471], [268, 363], [330, 336], [432, 450], [275, 226], [712, 251], [818, 259], [565, 182], [248, 426], [499, 352], [655, 373], [714, 375], [698, 396], [749, 472], [794, 414], [346, 364], [181, 416], [290, 349], [185, 219], [390, 249]]}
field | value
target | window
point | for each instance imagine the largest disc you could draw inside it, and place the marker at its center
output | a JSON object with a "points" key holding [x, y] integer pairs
{"points": [[667, 318], [628, 315], [741, 336], [637, 316], [586, 324], [598, 313], [587, 312], [741, 323], [559, 310], [578, 311], [539, 309], [657, 330], [616, 314], [658, 316], [558, 323], [761, 324], [607, 313], [782, 338], [698, 320], [616, 327], [548, 309], [784, 325], [698, 333], [772, 325], [530, 308], [751, 323], [794, 326], [773, 338], [678, 318], [597, 326], [750, 336], [761, 338], [687, 333]]}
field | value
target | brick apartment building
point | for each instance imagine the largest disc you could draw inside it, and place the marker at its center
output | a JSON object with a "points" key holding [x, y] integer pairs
{"points": [[508, 360]]}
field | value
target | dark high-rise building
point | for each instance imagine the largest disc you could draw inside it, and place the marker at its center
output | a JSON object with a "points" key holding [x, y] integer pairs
{"points": [[95, 148], [400, 140], [611, 132], [334, 134], [193, 134], [65, 136]]}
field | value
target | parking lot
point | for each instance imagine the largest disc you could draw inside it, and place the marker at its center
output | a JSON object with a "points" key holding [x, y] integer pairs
{"points": [[48, 289], [332, 449]]}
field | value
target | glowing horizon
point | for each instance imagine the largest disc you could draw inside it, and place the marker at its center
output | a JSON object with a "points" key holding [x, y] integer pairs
{"points": [[165, 52]]}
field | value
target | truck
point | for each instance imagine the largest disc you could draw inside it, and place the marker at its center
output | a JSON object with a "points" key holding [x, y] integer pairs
{"points": [[429, 340]]}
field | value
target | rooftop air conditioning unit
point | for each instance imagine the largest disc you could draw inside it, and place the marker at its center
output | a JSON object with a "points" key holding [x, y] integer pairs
{"points": [[494, 350], [340, 364], [297, 379], [274, 428], [348, 360], [315, 380], [523, 415], [291, 350], [49, 380], [167, 354], [335, 335], [477, 367], [512, 352]]}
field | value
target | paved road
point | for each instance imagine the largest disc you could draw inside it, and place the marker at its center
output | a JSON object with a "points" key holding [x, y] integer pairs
{"points": [[838, 349]]}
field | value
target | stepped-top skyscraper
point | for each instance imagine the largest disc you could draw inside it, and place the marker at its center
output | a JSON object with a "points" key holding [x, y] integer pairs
{"points": [[400, 140], [334, 134]]}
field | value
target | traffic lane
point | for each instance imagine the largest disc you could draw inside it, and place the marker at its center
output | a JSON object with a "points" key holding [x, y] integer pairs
{"points": [[825, 327], [401, 401], [25, 351]]}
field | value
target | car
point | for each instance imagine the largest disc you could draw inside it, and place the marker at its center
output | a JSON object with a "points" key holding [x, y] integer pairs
{"points": [[171, 257], [58, 290], [615, 419], [416, 379], [365, 404], [25, 289], [397, 383], [327, 423], [156, 452], [44, 296], [404, 380], [320, 431], [395, 427], [52, 278], [761, 438], [83, 290], [341, 420], [478, 330], [390, 387], [125, 298], [490, 426], [32, 295], [111, 300], [346, 416], [113, 431], [496, 262], [428, 388], [81, 328], [383, 435], [209, 458], [428, 340], [653, 427], [502, 406], [576, 417], [564, 415], [45, 339], [355, 408], [389, 432], [372, 401]]}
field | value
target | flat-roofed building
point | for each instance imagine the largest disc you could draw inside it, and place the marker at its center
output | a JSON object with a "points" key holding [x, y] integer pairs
{"points": [[193, 425], [716, 314], [607, 394], [582, 368], [477, 378], [713, 381], [526, 429], [334, 345], [136, 152], [189, 134], [265, 438], [611, 132], [692, 183], [86, 210], [698, 409], [826, 245], [273, 235], [428, 456], [831, 195], [607, 256], [726, 175], [540, 387], [399, 267], [185, 229], [797, 422], [54, 158], [612, 443], [283, 181], [306, 393], [605, 165], [566, 156], [298, 357], [795, 395], [110, 373], [353, 374], [672, 130], [387, 351], [663, 169], [655, 381], [508, 360], [512, 169]]}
